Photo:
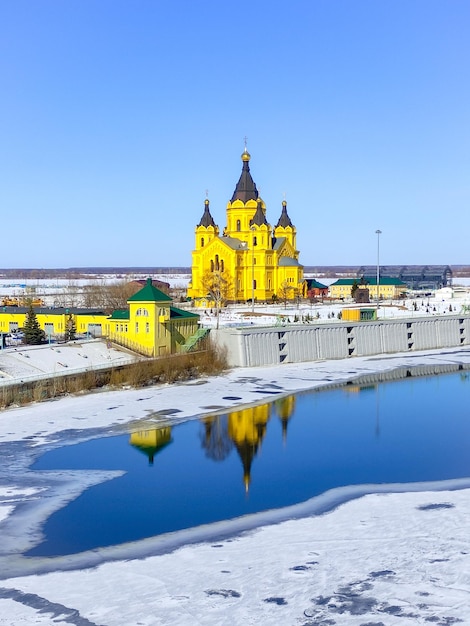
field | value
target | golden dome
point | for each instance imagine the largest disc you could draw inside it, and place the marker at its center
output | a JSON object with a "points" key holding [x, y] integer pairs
{"points": [[246, 156]]}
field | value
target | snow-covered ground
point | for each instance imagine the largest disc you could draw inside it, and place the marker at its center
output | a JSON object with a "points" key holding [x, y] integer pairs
{"points": [[35, 362], [328, 312], [369, 555]]}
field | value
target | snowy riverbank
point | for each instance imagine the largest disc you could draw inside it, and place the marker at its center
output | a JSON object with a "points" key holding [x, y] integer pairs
{"points": [[348, 558]]}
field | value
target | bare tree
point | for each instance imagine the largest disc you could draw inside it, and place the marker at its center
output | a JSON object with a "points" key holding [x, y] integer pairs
{"points": [[118, 293], [285, 290], [70, 296], [102, 295], [94, 295], [219, 287]]}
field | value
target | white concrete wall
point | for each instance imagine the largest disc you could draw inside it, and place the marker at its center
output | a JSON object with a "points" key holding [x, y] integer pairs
{"points": [[295, 343]]}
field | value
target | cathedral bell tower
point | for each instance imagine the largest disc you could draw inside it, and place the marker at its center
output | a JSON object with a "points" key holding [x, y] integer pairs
{"points": [[285, 228], [244, 203]]}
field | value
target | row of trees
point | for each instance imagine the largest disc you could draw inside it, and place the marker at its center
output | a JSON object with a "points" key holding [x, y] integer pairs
{"points": [[101, 294]]}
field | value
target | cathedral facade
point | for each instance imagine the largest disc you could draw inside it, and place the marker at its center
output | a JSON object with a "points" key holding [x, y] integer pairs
{"points": [[255, 260]]}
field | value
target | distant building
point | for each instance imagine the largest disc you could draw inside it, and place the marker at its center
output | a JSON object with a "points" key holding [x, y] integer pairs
{"points": [[389, 288], [316, 289], [414, 276], [159, 284]]}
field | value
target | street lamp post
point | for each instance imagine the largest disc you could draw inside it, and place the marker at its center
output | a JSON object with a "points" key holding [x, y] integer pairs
{"points": [[252, 228], [378, 233]]}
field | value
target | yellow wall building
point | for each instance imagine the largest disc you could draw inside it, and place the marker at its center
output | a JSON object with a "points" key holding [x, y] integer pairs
{"points": [[53, 321], [150, 325], [389, 288], [259, 260]]}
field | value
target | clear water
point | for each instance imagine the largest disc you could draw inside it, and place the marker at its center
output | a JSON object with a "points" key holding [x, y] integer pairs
{"points": [[265, 457]]}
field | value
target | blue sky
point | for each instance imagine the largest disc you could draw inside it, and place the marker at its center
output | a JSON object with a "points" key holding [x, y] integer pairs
{"points": [[116, 116]]}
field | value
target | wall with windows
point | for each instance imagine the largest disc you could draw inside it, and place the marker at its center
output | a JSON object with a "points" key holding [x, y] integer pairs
{"points": [[149, 328], [54, 321]]}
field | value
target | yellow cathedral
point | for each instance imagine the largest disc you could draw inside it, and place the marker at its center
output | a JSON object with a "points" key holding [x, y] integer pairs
{"points": [[259, 261]]}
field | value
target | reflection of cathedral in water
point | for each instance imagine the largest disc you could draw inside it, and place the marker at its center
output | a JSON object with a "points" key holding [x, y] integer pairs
{"points": [[243, 430]]}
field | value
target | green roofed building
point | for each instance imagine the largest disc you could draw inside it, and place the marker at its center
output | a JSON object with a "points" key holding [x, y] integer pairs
{"points": [[389, 288], [151, 325], [315, 288]]}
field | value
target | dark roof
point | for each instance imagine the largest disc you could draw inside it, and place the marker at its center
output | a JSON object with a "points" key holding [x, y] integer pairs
{"points": [[259, 217], [234, 243], [407, 270], [149, 293], [180, 313], [284, 220], [207, 219], [371, 280], [159, 284], [246, 188], [123, 314], [52, 310], [277, 242], [119, 314], [287, 260], [312, 283]]}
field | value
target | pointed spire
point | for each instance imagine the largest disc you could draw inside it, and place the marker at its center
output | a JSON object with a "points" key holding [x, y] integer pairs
{"points": [[247, 452], [207, 219], [246, 187], [259, 217], [284, 220]]}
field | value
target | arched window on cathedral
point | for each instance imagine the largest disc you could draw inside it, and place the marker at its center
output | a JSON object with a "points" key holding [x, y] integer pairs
{"points": [[217, 266], [221, 265], [212, 265], [254, 241], [142, 312], [239, 226], [202, 242]]}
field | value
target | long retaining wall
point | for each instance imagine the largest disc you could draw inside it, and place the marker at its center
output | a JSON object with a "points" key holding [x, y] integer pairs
{"points": [[294, 343]]}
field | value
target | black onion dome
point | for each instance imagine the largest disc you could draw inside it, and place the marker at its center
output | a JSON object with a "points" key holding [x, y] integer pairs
{"points": [[284, 220], [207, 219], [259, 217], [246, 187]]}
